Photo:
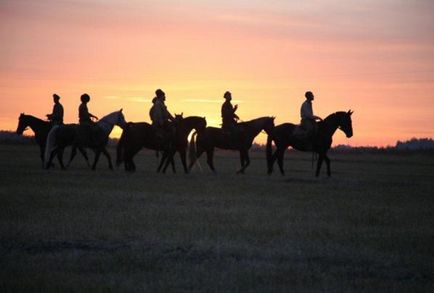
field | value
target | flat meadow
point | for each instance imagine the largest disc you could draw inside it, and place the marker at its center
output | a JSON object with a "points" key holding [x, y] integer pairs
{"points": [[368, 228]]}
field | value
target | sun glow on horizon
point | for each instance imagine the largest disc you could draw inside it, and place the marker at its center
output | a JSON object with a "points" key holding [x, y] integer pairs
{"points": [[375, 59]]}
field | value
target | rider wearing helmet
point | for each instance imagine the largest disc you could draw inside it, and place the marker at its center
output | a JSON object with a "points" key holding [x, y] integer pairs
{"points": [[84, 116]]}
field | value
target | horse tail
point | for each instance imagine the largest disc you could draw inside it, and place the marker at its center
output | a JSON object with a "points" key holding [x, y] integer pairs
{"points": [[192, 154], [268, 150], [50, 145], [120, 148]]}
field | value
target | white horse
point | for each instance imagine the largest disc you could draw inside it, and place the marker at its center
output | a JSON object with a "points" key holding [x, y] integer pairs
{"points": [[82, 136]]}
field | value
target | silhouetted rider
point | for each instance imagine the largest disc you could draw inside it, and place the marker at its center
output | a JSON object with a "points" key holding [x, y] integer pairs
{"points": [[84, 116], [228, 113], [56, 117], [308, 119], [161, 117], [88, 129]]}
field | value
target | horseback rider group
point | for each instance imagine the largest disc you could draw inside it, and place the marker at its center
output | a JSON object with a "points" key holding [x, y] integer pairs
{"points": [[161, 117]]}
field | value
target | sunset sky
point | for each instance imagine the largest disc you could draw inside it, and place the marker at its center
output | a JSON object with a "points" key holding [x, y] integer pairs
{"points": [[375, 57]]}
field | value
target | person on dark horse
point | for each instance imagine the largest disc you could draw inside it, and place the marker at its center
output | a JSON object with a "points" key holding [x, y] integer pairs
{"points": [[308, 125], [161, 118], [228, 114], [56, 117], [138, 135], [309, 136]]}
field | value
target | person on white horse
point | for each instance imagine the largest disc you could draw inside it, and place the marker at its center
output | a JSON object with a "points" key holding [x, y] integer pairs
{"points": [[88, 129]]}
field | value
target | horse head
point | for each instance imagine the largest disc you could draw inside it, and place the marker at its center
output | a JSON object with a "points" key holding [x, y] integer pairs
{"points": [[345, 123], [22, 124], [198, 123], [121, 120], [269, 124], [179, 117]]}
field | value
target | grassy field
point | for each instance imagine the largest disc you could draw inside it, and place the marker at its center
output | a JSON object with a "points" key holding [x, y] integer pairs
{"points": [[370, 228]]}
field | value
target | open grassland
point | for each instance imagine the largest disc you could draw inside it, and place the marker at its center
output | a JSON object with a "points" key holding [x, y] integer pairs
{"points": [[370, 228]]}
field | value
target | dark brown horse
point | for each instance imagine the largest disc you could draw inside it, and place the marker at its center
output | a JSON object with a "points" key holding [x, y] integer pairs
{"points": [[143, 135], [95, 137], [283, 137], [240, 140], [41, 129]]}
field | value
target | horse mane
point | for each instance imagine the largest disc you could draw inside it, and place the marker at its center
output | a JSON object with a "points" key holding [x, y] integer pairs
{"points": [[109, 115], [254, 120], [34, 117]]}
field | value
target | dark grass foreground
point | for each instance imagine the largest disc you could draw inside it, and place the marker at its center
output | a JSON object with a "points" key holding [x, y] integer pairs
{"points": [[368, 228]]}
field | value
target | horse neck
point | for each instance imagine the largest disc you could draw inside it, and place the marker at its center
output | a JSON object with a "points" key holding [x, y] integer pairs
{"points": [[330, 124], [256, 126], [36, 124], [106, 125], [191, 123]]}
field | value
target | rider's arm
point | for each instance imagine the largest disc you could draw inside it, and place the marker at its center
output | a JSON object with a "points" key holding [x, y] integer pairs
{"points": [[93, 116]]}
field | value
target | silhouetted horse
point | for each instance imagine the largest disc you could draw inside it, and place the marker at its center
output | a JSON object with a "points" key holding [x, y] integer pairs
{"points": [[241, 140], [143, 135], [41, 128], [282, 135], [94, 137]]}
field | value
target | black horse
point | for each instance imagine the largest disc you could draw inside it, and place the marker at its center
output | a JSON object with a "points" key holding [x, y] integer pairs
{"points": [[240, 139], [94, 137], [40, 128], [143, 135], [283, 136]]}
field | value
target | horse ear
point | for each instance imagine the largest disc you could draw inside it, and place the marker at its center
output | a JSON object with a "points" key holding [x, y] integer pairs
{"points": [[182, 113], [121, 110], [350, 112]]}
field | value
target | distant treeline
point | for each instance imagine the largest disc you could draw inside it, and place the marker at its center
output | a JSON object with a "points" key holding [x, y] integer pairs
{"points": [[412, 145]]}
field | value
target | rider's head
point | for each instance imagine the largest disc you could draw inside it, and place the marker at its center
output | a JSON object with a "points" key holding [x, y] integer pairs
{"points": [[309, 95], [56, 98], [228, 96], [85, 98], [160, 94]]}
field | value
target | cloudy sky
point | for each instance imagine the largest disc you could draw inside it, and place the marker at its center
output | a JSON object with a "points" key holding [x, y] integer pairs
{"points": [[374, 57]]}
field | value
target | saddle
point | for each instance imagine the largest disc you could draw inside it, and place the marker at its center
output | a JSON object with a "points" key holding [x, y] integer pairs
{"points": [[90, 133], [304, 136], [165, 135]]}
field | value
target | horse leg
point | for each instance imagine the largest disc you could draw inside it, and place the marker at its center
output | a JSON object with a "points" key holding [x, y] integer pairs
{"points": [[272, 160], [97, 154], [209, 158], [172, 162], [60, 157], [318, 166], [327, 160], [84, 153], [199, 153], [41, 154], [280, 153], [162, 161], [183, 156], [109, 158], [129, 164], [242, 160], [72, 156], [169, 160], [50, 159]]}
